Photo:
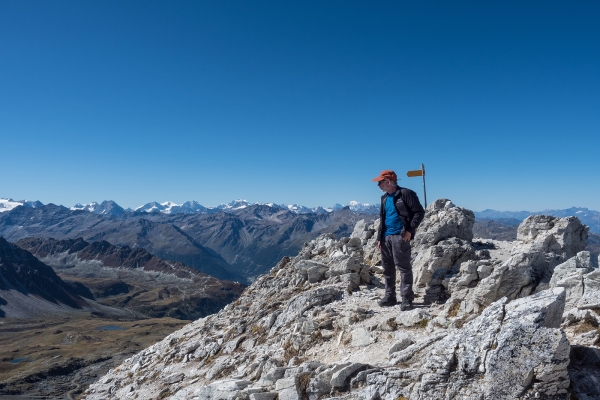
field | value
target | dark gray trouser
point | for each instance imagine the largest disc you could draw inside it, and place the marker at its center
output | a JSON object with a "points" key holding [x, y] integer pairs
{"points": [[395, 253]]}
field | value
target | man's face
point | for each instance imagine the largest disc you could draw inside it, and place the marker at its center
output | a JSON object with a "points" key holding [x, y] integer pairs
{"points": [[385, 185]]}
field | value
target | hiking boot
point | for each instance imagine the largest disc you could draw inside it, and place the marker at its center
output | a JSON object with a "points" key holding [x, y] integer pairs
{"points": [[388, 301], [406, 304]]}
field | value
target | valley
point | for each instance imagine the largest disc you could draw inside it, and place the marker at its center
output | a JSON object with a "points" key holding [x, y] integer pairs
{"points": [[59, 357]]}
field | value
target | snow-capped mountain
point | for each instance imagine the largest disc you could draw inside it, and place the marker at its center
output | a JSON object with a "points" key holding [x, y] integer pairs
{"points": [[107, 207], [357, 207], [299, 209], [9, 204], [192, 207], [189, 207], [234, 205], [153, 206], [363, 207]]}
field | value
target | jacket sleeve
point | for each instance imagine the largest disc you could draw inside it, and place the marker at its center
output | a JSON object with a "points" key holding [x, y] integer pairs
{"points": [[418, 213]]}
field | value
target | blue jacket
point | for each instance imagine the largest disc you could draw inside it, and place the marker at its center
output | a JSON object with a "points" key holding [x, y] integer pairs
{"points": [[409, 210]]}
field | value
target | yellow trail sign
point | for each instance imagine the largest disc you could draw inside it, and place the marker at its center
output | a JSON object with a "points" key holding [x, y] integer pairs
{"points": [[417, 172]]}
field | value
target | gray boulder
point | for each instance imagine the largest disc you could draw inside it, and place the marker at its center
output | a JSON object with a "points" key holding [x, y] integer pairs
{"points": [[591, 295], [548, 234], [445, 254], [444, 220], [344, 265], [512, 350], [289, 388], [221, 390], [341, 379], [304, 302], [570, 275], [371, 254], [514, 278]]}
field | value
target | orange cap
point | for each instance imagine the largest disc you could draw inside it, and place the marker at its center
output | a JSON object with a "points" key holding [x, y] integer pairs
{"points": [[386, 174]]}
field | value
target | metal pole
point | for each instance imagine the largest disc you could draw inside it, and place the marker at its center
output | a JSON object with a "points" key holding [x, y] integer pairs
{"points": [[424, 191]]}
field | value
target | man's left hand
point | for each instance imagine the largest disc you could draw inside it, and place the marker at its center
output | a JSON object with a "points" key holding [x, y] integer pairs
{"points": [[406, 236]]}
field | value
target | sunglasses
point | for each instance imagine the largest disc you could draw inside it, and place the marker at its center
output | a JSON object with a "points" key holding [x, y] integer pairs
{"points": [[380, 182]]}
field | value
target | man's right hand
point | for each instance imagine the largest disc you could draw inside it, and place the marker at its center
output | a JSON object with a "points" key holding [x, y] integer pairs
{"points": [[379, 245]]}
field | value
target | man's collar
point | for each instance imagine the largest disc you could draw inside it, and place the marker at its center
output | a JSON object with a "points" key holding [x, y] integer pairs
{"points": [[395, 192]]}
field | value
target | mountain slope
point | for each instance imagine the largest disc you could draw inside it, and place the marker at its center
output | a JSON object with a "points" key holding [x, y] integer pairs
{"points": [[21, 271], [134, 279], [31, 289], [254, 238]]}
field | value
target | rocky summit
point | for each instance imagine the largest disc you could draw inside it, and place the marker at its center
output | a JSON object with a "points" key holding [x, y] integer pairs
{"points": [[491, 320]]}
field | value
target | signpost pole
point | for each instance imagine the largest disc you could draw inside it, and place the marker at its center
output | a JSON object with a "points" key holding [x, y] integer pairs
{"points": [[419, 172], [424, 191]]}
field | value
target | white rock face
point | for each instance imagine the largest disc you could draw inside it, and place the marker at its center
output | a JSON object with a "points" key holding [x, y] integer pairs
{"points": [[444, 220], [570, 275], [312, 329], [496, 356], [547, 234]]}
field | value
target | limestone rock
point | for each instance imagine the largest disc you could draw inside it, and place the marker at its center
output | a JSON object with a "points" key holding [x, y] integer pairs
{"points": [[445, 254], [361, 338], [403, 340], [514, 278], [321, 383], [345, 265], [590, 338], [371, 254], [288, 388], [444, 220], [548, 234], [413, 317], [341, 378], [575, 315], [316, 273], [591, 296], [304, 302], [174, 378], [570, 276], [263, 396], [222, 389], [511, 350]]}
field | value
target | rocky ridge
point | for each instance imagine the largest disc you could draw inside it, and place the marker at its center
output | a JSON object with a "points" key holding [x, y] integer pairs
{"points": [[492, 320]]}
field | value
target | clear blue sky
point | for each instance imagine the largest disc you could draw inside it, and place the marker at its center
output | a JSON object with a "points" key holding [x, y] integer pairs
{"points": [[300, 101]]}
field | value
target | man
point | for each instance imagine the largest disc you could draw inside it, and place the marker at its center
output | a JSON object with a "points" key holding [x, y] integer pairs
{"points": [[400, 215]]}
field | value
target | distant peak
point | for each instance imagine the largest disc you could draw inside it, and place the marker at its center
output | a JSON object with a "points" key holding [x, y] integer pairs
{"points": [[7, 204]]}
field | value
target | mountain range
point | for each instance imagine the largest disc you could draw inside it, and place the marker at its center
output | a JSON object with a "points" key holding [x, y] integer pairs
{"points": [[237, 243], [109, 207], [589, 217], [192, 207]]}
